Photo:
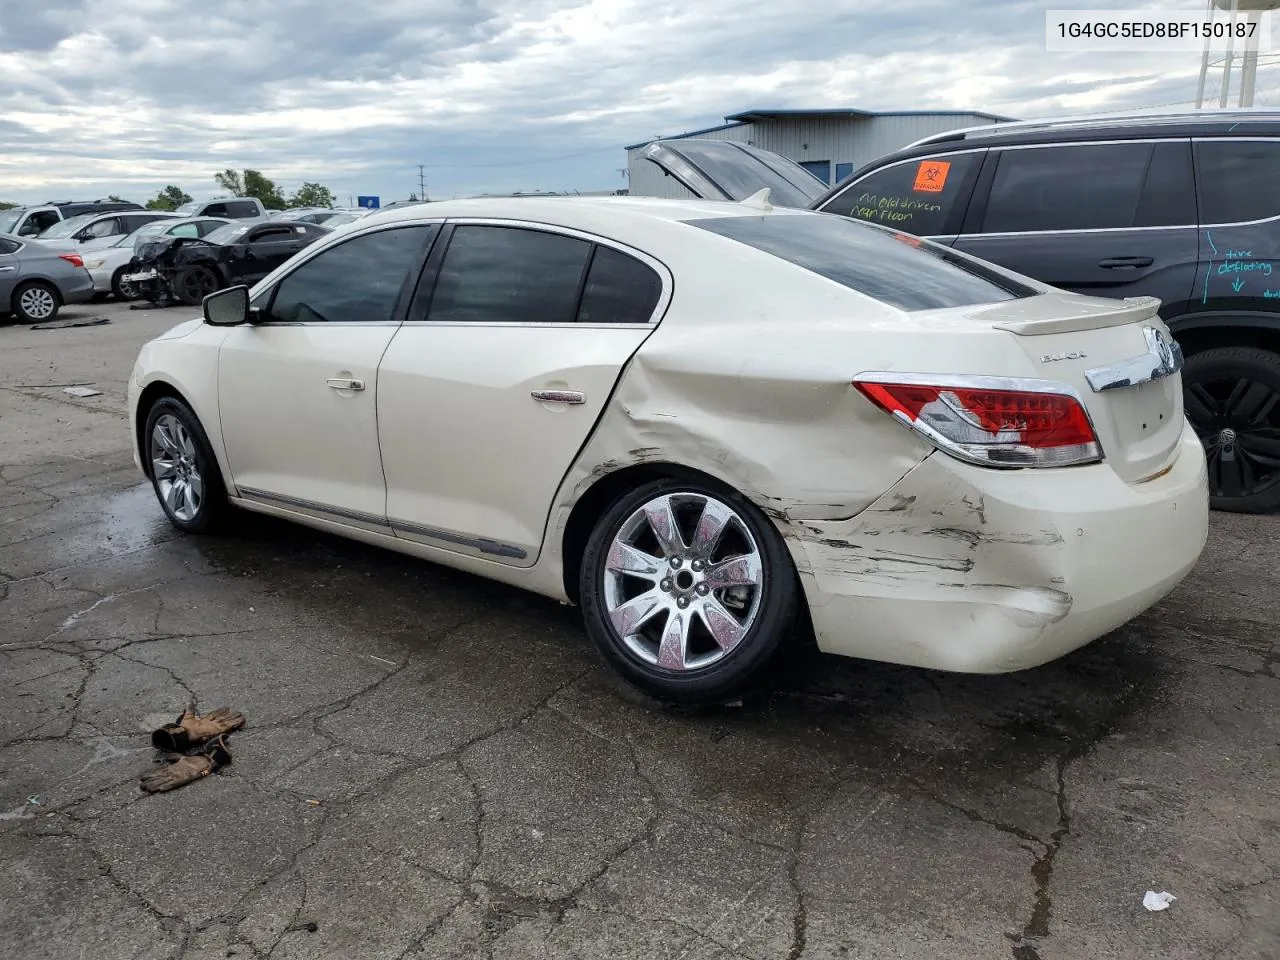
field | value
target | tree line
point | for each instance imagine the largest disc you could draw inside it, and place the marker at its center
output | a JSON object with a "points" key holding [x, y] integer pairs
{"points": [[249, 183]]}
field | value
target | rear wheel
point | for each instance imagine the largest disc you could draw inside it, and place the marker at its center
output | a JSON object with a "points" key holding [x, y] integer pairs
{"points": [[183, 469], [193, 284], [687, 590], [122, 288], [1232, 398], [35, 302]]}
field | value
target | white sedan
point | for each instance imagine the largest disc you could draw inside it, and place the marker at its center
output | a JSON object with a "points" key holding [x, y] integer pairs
{"points": [[693, 419]]}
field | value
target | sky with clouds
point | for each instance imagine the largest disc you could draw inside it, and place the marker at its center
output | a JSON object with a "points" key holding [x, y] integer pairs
{"points": [[125, 96]]}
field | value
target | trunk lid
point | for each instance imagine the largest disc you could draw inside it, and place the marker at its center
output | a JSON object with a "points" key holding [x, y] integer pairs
{"points": [[725, 170], [1119, 358]]}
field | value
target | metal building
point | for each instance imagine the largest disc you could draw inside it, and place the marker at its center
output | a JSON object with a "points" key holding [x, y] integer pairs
{"points": [[830, 144]]}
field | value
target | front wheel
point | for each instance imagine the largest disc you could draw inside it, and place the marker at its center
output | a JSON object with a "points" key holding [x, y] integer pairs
{"points": [[687, 590], [193, 284], [1232, 399], [183, 470], [122, 288]]}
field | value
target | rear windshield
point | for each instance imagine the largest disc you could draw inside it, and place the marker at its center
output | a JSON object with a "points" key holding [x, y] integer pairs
{"points": [[894, 268]]}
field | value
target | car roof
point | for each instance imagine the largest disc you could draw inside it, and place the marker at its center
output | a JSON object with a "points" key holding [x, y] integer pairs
{"points": [[574, 211], [1202, 123]]}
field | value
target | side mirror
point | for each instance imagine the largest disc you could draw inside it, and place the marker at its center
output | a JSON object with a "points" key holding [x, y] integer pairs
{"points": [[28, 229], [227, 308]]}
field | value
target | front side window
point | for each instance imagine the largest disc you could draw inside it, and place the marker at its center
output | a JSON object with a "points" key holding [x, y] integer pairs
{"points": [[1238, 180], [104, 228], [925, 196], [240, 208], [1087, 187], [358, 281], [898, 269], [216, 210], [184, 230], [509, 275]]}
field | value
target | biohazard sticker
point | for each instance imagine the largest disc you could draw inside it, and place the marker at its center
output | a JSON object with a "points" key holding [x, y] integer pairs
{"points": [[931, 177]]}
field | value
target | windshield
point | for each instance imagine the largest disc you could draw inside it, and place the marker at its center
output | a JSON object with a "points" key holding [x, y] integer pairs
{"points": [[228, 234], [66, 228], [895, 268], [739, 171], [188, 208], [9, 220], [146, 230]]}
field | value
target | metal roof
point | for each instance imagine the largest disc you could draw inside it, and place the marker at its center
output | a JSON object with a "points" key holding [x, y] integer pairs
{"points": [[747, 116]]}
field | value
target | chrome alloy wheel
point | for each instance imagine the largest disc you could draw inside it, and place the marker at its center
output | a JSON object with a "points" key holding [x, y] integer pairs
{"points": [[683, 581], [175, 468], [37, 303]]}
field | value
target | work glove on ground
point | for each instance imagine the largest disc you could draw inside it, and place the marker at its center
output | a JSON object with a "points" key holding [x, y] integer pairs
{"points": [[191, 729], [182, 770]]}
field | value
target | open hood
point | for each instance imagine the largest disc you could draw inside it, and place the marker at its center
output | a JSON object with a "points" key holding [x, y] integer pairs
{"points": [[724, 170]]}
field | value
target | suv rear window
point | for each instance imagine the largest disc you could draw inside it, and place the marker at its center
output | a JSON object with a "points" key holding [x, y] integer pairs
{"points": [[1237, 180], [894, 268], [924, 196]]}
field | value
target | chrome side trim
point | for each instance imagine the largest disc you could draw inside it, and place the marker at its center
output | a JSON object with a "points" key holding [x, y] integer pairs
{"points": [[492, 547], [1162, 359], [301, 504]]}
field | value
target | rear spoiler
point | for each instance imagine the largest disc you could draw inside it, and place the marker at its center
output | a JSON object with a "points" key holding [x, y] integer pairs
{"points": [[1129, 310]]}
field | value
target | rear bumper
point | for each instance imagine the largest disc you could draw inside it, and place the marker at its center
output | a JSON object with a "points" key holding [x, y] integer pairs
{"points": [[974, 570], [77, 290]]}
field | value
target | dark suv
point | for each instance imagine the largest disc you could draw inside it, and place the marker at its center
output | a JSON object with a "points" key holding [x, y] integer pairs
{"points": [[1183, 207]]}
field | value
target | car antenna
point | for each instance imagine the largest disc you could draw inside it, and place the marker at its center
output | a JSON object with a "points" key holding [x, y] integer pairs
{"points": [[759, 200]]}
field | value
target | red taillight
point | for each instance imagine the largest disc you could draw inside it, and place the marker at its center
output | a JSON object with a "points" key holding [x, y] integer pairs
{"points": [[992, 426], [72, 258]]}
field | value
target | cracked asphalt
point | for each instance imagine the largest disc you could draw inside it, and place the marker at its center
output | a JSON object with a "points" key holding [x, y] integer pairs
{"points": [[437, 766]]}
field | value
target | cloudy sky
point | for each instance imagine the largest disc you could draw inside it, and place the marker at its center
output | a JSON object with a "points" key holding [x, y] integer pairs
{"points": [[124, 96]]}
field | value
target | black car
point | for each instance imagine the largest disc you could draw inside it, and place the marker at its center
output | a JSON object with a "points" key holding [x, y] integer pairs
{"points": [[188, 269], [1184, 207]]}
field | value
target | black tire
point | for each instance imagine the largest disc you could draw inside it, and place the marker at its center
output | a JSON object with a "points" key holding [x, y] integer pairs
{"points": [[122, 289], [43, 291], [741, 667], [214, 509], [1232, 398], [193, 284]]}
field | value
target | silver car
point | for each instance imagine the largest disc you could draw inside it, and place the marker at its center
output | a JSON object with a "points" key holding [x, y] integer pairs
{"points": [[36, 280]]}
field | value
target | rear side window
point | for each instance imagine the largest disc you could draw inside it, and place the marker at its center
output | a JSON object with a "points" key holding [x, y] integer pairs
{"points": [[509, 275], [1238, 180], [1086, 187], [894, 268], [619, 289], [8, 246], [925, 197]]}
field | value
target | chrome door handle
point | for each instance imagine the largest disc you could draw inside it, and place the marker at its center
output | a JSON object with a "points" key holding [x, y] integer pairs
{"points": [[7, 269], [559, 396], [345, 383]]}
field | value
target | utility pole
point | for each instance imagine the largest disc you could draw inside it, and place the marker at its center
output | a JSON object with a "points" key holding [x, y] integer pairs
{"points": [[422, 183]]}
